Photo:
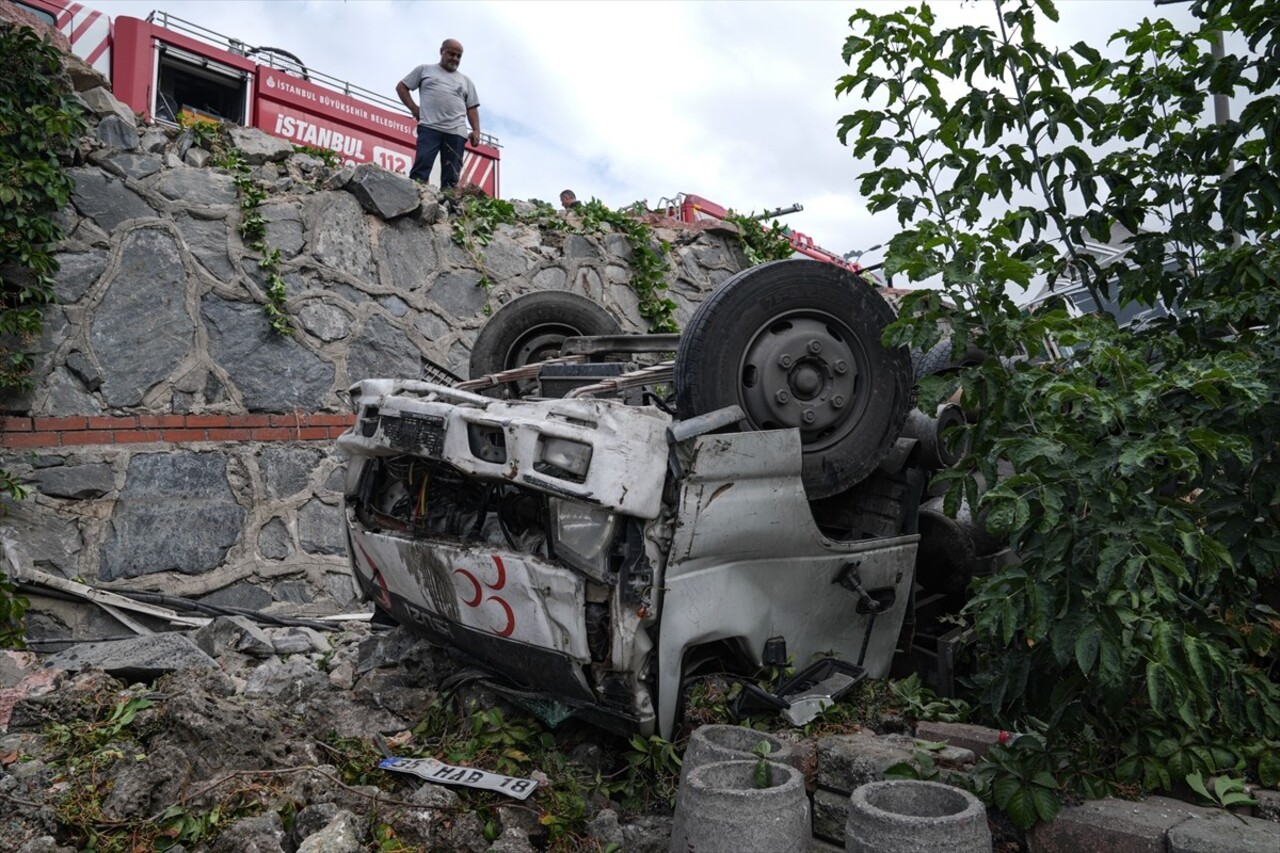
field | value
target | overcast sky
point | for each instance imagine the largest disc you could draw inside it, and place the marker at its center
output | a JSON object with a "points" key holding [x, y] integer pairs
{"points": [[731, 99]]}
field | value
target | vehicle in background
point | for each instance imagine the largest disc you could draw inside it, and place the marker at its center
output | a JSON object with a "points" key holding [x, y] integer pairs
{"points": [[165, 68], [1072, 295], [688, 207]]}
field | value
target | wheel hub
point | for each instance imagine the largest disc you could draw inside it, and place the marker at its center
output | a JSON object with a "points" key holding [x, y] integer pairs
{"points": [[803, 373]]}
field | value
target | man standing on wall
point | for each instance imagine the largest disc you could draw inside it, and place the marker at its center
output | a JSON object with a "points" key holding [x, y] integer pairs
{"points": [[449, 105]]}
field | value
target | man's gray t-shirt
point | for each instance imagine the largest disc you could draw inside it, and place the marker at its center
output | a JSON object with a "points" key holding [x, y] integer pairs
{"points": [[443, 98]]}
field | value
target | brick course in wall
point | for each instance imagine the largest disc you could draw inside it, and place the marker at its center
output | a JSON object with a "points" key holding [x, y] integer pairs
{"points": [[22, 433]]}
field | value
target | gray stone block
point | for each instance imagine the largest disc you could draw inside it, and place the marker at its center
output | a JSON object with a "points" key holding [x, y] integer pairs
{"points": [[847, 761], [382, 350], [504, 259], [100, 100], [327, 322], [243, 596], [551, 278], [132, 164], [136, 659], [1268, 807], [287, 469], [207, 240], [77, 272], [52, 543], [274, 543], [175, 512], [457, 293], [68, 397], [830, 811], [258, 146], [576, 246], [1224, 833], [84, 370], [1116, 826], [106, 200], [394, 305], [382, 193], [320, 529], [141, 328], [339, 236], [409, 253], [980, 739], [233, 633], [273, 373], [284, 227], [76, 482], [198, 188]]}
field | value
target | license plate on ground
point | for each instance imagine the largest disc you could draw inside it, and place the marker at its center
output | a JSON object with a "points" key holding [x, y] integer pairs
{"points": [[446, 774]]}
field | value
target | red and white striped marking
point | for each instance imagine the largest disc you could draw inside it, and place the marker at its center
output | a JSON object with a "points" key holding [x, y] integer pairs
{"points": [[89, 32]]}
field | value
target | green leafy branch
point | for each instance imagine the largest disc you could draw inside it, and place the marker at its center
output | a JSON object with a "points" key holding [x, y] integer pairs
{"points": [[761, 244], [1135, 480]]}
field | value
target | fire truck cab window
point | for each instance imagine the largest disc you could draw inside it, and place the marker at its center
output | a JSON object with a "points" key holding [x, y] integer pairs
{"points": [[199, 86], [41, 14]]}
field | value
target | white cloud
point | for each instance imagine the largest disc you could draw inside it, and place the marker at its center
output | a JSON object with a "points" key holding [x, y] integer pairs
{"points": [[634, 100]]}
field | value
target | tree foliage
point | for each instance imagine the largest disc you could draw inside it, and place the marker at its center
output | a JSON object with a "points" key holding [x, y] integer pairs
{"points": [[1138, 481]]}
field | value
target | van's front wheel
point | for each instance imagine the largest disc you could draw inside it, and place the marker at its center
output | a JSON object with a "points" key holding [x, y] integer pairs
{"points": [[796, 344]]}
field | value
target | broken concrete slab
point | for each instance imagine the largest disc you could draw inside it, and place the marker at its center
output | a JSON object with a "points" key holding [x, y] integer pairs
{"points": [[136, 659], [233, 633]]}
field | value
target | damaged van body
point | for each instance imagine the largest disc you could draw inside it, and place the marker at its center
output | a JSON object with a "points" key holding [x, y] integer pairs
{"points": [[584, 540]]}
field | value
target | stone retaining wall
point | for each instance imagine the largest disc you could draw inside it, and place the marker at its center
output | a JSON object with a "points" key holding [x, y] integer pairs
{"points": [[173, 441]]}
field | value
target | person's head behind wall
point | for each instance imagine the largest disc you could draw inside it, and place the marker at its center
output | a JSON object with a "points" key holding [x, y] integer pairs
{"points": [[450, 54], [568, 200]]}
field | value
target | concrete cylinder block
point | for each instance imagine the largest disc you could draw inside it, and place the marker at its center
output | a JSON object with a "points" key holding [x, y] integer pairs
{"points": [[720, 810], [729, 743], [911, 816]]}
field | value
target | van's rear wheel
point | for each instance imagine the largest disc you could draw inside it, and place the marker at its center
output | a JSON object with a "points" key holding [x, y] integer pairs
{"points": [[531, 328], [796, 344]]}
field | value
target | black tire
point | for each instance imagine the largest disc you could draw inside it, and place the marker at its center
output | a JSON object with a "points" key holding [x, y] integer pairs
{"points": [[796, 343], [938, 359], [532, 327]]}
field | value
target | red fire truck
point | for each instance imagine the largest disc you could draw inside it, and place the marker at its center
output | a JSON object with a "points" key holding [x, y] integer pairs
{"points": [[693, 208], [164, 67]]}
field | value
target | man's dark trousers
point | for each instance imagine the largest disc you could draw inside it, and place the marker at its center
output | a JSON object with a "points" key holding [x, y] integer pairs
{"points": [[449, 146]]}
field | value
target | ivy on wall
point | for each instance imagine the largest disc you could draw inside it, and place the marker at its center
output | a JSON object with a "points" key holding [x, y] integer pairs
{"points": [[479, 215], [210, 136], [39, 121]]}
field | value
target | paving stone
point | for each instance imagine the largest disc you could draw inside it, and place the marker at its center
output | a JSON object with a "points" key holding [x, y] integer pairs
{"points": [[847, 761], [1114, 826], [830, 811], [980, 739], [1225, 833]]}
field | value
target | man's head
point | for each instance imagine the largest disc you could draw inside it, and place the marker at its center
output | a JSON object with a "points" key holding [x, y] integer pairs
{"points": [[450, 54], [568, 199]]}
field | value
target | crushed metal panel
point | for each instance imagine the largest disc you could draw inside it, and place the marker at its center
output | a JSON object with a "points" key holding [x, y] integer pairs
{"points": [[511, 596], [749, 562], [628, 448]]}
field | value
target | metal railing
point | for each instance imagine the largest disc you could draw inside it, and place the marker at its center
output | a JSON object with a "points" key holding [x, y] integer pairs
{"points": [[282, 60]]}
